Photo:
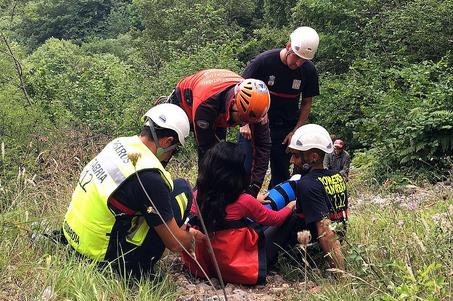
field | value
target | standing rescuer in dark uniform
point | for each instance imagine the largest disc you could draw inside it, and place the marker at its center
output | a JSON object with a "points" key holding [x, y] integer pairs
{"points": [[288, 73], [112, 217], [216, 99]]}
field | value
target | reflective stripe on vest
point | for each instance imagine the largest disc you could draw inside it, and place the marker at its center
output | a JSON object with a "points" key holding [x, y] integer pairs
{"points": [[182, 202], [88, 222]]}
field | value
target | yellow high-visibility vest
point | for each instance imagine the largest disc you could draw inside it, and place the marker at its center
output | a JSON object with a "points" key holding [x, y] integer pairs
{"points": [[88, 221]]}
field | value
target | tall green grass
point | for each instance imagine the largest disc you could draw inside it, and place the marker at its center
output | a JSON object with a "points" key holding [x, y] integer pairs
{"points": [[392, 252], [34, 202]]}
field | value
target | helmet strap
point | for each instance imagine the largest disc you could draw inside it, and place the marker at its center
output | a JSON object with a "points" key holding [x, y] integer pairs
{"points": [[233, 109], [288, 53], [159, 150]]}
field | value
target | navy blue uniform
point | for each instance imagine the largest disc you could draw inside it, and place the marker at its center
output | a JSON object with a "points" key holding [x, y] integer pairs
{"points": [[285, 86]]}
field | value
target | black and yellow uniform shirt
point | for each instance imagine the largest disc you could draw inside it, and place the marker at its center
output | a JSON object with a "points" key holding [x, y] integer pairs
{"points": [[322, 193]]}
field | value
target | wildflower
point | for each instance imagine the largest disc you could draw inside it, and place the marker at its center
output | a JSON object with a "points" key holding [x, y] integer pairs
{"points": [[304, 238], [134, 158], [400, 223], [437, 217], [412, 206]]}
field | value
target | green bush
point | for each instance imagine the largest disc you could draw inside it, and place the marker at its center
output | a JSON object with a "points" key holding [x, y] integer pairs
{"points": [[405, 113], [415, 31], [86, 90], [407, 30], [176, 29], [77, 21]]}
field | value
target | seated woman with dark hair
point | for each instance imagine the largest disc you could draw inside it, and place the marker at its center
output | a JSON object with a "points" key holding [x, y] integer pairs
{"points": [[233, 220]]}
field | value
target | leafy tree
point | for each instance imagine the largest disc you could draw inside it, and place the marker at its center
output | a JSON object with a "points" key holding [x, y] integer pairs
{"points": [[123, 46], [72, 20], [89, 90], [242, 12], [123, 17], [278, 12], [415, 31], [340, 25], [264, 38], [175, 29], [21, 124]]}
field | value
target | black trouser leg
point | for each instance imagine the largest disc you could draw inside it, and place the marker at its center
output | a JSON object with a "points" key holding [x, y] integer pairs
{"points": [[246, 147], [279, 159], [277, 238]]}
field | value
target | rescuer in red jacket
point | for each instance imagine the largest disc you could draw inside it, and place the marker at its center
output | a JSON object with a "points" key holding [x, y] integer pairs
{"points": [[216, 99]]}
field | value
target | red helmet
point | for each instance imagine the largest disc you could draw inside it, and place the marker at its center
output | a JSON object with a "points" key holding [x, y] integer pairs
{"points": [[252, 100]]}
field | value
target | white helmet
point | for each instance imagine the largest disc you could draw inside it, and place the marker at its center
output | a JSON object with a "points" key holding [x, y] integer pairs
{"points": [[311, 136], [304, 42], [169, 116]]}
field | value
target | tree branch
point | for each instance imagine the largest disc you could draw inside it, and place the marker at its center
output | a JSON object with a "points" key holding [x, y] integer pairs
{"points": [[18, 69], [13, 12]]}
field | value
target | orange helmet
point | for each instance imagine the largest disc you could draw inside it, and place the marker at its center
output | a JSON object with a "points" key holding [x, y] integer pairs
{"points": [[252, 100]]}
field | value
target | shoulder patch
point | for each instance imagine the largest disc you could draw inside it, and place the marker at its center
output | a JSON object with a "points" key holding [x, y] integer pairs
{"points": [[203, 124]]}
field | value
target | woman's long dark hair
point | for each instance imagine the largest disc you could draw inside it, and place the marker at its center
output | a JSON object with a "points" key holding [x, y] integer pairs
{"points": [[221, 180]]}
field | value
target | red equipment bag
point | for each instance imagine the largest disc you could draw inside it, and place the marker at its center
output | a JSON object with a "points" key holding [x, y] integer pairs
{"points": [[240, 253]]}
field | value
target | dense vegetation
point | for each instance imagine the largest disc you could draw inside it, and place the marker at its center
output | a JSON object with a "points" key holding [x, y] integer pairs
{"points": [[385, 66], [76, 73]]}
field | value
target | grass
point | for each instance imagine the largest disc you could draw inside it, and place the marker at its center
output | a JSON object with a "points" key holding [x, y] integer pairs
{"points": [[392, 253], [34, 268]]}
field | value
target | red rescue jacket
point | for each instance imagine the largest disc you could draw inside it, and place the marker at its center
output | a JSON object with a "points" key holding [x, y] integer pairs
{"points": [[197, 88]]}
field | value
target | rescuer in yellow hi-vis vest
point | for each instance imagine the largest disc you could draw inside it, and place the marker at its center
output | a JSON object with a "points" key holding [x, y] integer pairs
{"points": [[113, 216]]}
